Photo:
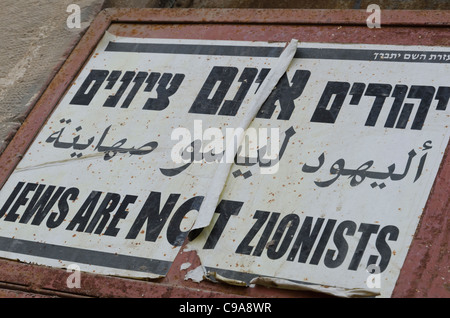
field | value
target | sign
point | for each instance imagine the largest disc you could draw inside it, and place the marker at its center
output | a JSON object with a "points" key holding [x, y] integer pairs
{"points": [[330, 179], [367, 130]]}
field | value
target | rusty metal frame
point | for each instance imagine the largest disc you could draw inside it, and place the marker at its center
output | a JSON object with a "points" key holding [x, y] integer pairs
{"points": [[424, 273]]}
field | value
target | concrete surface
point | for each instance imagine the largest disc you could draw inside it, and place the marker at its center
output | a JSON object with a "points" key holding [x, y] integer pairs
{"points": [[35, 41]]}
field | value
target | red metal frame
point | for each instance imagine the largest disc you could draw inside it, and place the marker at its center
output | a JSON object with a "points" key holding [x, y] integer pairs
{"points": [[425, 272]]}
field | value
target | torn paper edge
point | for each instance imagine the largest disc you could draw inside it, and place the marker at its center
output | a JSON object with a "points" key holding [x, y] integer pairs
{"points": [[329, 290], [215, 277], [274, 282], [197, 274], [185, 266], [223, 170]]}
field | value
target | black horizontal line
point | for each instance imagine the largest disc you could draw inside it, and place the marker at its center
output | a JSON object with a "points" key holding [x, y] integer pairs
{"points": [[84, 256], [267, 51], [224, 50]]}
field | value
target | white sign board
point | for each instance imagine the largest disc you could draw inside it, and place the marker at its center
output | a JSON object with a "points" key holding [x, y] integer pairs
{"points": [[331, 178]]}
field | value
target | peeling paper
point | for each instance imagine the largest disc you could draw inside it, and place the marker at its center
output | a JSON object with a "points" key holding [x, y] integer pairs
{"points": [[223, 170], [329, 290], [274, 282], [185, 266], [196, 275], [214, 276]]}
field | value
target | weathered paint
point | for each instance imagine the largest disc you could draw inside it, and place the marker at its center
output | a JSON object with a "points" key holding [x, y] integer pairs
{"points": [[260, 234], [105, 158], [436, 36]]}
